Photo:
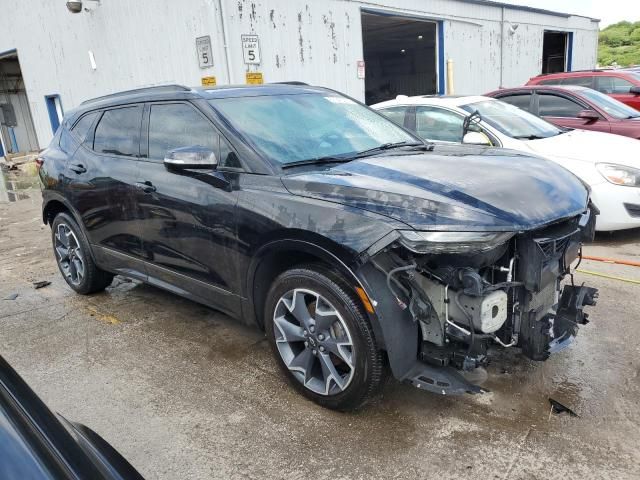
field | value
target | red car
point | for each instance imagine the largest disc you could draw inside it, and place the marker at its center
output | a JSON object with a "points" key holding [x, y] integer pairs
{"points": [[623, 85], [574, 107]]}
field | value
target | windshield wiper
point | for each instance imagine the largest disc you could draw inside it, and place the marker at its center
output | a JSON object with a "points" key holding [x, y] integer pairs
{"points": [[318, 160], [529, 137], [354, 156], [389, 146]]}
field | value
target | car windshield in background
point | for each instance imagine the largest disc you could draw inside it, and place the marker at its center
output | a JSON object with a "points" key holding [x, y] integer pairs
{"points": [[295, 128], [512, 121], [610, 105]]}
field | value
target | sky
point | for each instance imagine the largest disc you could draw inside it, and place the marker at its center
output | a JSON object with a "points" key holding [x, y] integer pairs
{"points": [[608, 11]]}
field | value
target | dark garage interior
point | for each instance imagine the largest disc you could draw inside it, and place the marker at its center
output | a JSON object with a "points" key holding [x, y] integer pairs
{"points": [[554, 52], [400, 56]]}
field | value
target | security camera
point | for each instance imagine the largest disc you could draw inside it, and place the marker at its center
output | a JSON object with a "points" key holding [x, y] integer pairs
{"points": [[513, 28], [74, 7]]}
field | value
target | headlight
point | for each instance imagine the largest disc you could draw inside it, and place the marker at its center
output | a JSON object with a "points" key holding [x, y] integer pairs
{"points": [[452, 242], [619, 174]]}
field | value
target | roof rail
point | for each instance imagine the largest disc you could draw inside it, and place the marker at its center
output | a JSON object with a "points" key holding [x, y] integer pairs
{"points": [[156, 89], [292, 82]]}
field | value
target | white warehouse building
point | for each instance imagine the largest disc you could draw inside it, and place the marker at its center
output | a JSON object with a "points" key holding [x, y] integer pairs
{"points": [[52, 59]]}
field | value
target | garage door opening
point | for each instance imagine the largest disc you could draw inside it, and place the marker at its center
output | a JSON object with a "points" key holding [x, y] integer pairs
{"points": [[556, 52], [17, 134], [400, 56]]}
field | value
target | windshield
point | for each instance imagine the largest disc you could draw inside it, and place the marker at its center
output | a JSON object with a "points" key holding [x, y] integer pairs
{"points": [[610, 105], [295, 128], [512, 121]]}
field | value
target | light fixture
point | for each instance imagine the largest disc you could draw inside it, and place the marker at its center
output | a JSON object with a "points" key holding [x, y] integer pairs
{"points": [[513, 28], [419, 37], [402, 51]]}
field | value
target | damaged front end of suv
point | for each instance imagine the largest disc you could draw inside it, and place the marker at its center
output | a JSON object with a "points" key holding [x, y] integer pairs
{"points": [[468, 291], [481, 267]]}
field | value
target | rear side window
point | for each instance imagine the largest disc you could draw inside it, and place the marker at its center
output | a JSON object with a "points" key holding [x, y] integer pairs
{"points": [[611, 85], [580, 81], [555, 106], [82, 126], [176, 125], [522, 101], [551, 81], [118, 132], [395, 114]]}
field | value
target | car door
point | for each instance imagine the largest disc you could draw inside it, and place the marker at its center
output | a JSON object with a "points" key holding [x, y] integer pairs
{"points": [[563, 109], [102, 178], [618, 88], [189, 230]]}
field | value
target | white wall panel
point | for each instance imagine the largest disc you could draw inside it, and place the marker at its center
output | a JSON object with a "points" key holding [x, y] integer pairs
{"points": [[147, 42]]}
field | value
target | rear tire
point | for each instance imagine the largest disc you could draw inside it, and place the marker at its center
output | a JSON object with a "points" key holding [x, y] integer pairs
{"points": [[74, 259], [321, 338]]}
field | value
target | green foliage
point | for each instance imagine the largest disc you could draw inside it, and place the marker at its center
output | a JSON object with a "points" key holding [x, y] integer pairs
{"points": [[620, 43]]}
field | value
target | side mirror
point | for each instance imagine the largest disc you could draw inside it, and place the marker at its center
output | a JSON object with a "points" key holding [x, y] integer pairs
{"points": [[635, 90], [476, 138], [590, 115], [191, 157]]}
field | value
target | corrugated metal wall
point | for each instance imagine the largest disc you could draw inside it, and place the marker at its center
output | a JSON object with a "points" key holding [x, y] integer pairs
{"points": [[146, 42]]}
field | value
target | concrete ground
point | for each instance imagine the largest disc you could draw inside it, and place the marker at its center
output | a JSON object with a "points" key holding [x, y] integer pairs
{"points": [[184, 392]]}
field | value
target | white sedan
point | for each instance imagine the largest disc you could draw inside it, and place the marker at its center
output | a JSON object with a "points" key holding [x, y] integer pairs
{"points": [[609, 164]]}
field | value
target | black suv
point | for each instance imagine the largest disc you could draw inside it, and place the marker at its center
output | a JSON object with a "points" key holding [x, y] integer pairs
{"points": [[344, 236]]}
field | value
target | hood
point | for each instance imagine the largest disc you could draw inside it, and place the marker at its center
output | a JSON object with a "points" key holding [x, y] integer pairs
{"points": [[473, 189], [590, 147]]}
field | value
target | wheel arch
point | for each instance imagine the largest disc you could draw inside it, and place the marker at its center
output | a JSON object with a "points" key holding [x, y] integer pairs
{"points": [[280, 255]]}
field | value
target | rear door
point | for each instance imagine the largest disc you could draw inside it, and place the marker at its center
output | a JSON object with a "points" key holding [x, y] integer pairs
{"points": [[188, 215], [102, 183], [562, 110]]}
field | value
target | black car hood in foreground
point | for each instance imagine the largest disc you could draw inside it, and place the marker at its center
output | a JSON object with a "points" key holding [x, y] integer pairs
{"points": [[474, 189]]}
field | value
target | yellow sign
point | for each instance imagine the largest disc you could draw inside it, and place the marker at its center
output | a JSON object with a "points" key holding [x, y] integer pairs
{"points": [[254, 78], [208, 81]]}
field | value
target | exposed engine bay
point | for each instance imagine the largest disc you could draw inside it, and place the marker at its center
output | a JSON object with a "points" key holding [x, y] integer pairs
{"points": [[510, 290]]}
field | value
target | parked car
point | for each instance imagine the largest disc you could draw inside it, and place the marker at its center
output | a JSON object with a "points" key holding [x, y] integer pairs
{"points": [[609, 164], [620, 84], [574, 107], [37, 444], [340, 233]]}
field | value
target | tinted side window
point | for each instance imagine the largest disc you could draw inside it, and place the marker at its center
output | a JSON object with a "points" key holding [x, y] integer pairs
{"points": [[519, 100], [612, 85], [395, 114], [555, 106], [581, 81], [67, 144], [227, 157], [118, 132], [437, 124], [551, 81], [176, 125], [82, 126]]}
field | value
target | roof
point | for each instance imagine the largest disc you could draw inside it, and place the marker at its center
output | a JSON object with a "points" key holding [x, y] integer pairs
{"points": [[524, 8], [449, 101], [181, 92]]}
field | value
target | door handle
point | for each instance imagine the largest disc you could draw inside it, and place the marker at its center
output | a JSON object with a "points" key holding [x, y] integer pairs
{"points": [[77, 167], [146, 187]]}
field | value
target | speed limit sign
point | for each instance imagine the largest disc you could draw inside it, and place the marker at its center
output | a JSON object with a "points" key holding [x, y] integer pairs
{"points": [[250, 49], [205, 55]]}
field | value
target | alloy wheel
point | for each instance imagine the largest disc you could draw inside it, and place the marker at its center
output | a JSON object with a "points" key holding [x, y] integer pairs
{"points": [[69, 254], [314, 341]]}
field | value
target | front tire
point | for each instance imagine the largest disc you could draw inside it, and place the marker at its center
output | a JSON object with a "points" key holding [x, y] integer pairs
{"points": [[74, 259], [321, 338]]}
